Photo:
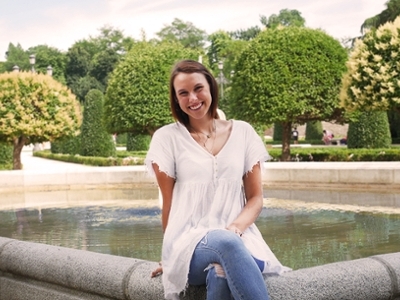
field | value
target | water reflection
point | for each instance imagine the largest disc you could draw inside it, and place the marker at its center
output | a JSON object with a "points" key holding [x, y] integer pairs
{"points": [[302, 232]]}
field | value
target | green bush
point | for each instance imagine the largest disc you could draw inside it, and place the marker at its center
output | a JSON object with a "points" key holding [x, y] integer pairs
{"points": [[95, 140], [71, 145], [122, 138], [278, 132], [314, 130], [129, 160], [394, 123], [138, 142], [371, 130], [6, 157], [338, 155]]}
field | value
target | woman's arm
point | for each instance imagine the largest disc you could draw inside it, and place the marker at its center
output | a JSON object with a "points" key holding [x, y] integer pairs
{"points": [[254, 195], [166, 185]]}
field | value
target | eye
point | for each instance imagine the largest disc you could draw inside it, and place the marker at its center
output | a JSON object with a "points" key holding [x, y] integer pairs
{"points": [[182, 93]]}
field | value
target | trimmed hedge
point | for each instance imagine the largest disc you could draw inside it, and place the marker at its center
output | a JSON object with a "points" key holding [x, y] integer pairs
{"points": [[338, 155], [129, 160]]}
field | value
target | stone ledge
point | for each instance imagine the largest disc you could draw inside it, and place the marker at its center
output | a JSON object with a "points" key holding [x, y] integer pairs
{"points": [[38, 271]]}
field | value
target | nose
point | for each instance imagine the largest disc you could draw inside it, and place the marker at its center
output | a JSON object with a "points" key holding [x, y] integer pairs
{"points": [[192, 96]]}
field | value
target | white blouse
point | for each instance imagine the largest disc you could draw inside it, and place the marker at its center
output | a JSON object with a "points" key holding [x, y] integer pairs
{"points": [[208, 194]]}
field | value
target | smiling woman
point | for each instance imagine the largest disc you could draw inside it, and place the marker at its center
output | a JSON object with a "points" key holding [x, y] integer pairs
{"points": [[209, 174]]}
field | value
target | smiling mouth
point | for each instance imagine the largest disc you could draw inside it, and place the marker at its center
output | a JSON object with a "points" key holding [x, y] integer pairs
{"points": [[196, 107]]}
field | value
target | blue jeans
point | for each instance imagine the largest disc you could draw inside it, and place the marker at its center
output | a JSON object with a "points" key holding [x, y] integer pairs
{"points": [[242, 278]]}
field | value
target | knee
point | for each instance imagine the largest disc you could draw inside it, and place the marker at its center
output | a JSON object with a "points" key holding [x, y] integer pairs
{"points": [[228, 240], [218, 269]]}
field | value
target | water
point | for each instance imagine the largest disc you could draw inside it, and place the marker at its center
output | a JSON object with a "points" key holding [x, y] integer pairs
{"points": [[303, 228]]}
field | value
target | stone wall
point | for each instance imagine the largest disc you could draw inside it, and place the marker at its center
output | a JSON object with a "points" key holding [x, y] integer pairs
{"points": [[42, 272]]}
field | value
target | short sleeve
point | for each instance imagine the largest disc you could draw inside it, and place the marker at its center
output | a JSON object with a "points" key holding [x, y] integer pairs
{"points": [[161, 152], [255, 149]]}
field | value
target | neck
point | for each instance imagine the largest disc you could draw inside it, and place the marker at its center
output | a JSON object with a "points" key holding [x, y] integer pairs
{"points": [[203, 126]]}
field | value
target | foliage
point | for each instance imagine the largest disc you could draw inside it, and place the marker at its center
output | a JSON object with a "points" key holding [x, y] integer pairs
{"points": [[278, 132], [6, 156], [394, 124], [16, 56], [371, 130], [35, 108], [371, 81], [138, 142], [184, 33], [245, 34], [90, 61], [336, 153], [137, 97], [286, 17], [93, 160], [69, 145], [46, 56], [288, 75], [95, 140], [387, 15], [314, 130]]}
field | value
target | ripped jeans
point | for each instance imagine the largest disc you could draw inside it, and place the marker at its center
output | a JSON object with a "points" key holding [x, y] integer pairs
{"points": [[223, 263]]}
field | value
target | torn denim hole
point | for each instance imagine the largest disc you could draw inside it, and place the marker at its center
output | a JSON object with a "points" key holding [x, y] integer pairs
{"points": [[219, 271]]}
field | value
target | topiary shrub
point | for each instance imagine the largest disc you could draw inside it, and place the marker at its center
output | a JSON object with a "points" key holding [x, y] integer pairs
{"points": [[95, 140], [394, 124], [138, 142], [70, 145], [314, 130], [278, 132], [370, 130], [6, 156]]}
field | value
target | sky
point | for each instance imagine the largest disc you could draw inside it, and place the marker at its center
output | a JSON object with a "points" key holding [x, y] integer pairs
{"points": [[60, 23]]}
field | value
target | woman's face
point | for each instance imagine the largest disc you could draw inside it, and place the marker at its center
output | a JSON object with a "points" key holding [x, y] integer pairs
{"points": [[193, 94]]}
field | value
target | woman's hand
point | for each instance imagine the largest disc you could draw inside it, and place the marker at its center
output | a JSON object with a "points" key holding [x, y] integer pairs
{"points": [[234, 229], [157, 271]]}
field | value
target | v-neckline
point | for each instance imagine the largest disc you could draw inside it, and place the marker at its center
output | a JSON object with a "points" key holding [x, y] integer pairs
{"points": [[205, 150]]}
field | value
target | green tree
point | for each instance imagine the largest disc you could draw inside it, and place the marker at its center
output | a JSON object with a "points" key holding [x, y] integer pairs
{"points": [[91, 61], [371, 81], [35, 108], [370, 130], [137, 97], [245, 34], [183, 32], [278, 132], [95, 140], [389, 14], [286, 17], [16, 56], [288, 75], [46, 56]]}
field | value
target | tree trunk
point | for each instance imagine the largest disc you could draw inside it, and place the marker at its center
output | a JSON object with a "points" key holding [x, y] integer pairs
{"points": [[287, 134], [18, 145]]}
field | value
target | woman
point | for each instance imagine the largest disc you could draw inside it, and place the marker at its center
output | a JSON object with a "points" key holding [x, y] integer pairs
{"points": [[209, 174]]}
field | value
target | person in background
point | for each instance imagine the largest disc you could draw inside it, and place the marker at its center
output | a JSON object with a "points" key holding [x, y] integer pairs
{"points": [[295, 136], [209, 174], [327, 137]]}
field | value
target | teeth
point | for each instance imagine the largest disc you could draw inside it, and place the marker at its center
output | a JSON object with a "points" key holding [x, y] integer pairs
{"points": [[196, 107]]}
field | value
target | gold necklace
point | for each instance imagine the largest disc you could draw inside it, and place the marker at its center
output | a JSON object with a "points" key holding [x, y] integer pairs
{"points": [[208, 136]]}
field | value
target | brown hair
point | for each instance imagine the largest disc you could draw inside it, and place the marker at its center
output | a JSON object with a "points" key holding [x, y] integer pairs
{"points": [[191, 66]]}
